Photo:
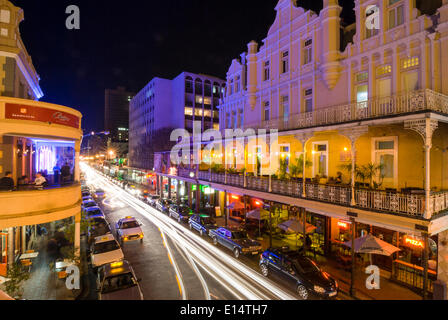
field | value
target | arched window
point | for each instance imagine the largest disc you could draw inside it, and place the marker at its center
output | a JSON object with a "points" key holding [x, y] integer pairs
{"points": [[208, 88], [198, 86]]}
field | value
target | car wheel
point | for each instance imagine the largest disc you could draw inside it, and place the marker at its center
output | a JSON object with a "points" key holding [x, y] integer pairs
{"points": [[302, 292], [215, 241], [236, 252], [264, 270]]}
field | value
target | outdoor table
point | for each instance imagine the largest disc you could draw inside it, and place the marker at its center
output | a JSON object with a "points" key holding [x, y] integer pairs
{"points": [[61, 265], [33, 255]]}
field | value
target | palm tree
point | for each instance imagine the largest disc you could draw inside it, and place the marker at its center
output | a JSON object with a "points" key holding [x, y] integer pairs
{"points": [[297, 168]]}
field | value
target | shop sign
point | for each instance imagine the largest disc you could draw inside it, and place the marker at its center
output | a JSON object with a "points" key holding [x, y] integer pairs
{"points": [[32, 113], [343, 224], [413, 242]]}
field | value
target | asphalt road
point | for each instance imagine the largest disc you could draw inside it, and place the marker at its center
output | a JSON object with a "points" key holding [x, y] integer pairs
{"points": [[175, 263]]}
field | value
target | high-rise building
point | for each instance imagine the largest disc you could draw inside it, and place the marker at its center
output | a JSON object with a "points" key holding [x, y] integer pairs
{"points": [[164, 105], [116, 113]]}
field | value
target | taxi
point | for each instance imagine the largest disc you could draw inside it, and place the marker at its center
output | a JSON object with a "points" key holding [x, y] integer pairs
{"points": [[117, 281], [104, 250], [129, 229]]}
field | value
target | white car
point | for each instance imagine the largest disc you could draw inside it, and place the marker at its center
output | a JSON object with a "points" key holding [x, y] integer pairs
{"points": [[104, 250], [129, 229]]}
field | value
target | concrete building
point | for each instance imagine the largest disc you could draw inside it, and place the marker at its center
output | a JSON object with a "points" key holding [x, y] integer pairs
{"points": [[34, 137], [345, 100], [116, 113], [164, 105]]}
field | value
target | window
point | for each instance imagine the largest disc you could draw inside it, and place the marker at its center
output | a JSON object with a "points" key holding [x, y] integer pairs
{"points": [[237, 84], [308, 51], [362, 77], [385, 154], [266, 71], [320, 158], [396, 16], [285, 155], [362, 95], [383, 70], [370, 32], [199, 99], [227, 120], [309, 100], [285, 108], [240, 118], [188, 111], [410, 62], [208, 101], [267, 111], [410, 81], [5, 16], [285, 62], [235, 120], [231, 86]]}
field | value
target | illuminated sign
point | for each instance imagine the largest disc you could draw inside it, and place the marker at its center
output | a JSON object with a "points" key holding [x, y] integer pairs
{"points": [[32, 113], [343, 225], [235, 198], [414, 242]]}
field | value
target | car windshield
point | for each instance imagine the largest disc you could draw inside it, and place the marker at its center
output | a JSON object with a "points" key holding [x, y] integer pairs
{"points": [[105, 247], [305, 265], [99, 191], [119, 282], [94, 213], [100, 229], [239, 235], [129, 225], [90, 204]]}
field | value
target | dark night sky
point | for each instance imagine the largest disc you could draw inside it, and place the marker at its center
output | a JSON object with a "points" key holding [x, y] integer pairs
{"points": [[127, 43]]}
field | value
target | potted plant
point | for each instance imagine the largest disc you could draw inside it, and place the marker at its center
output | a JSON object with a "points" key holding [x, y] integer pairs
{"points": [[296, 169]]}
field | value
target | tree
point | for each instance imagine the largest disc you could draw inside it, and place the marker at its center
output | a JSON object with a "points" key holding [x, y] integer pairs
{"points": [[297, 168]]}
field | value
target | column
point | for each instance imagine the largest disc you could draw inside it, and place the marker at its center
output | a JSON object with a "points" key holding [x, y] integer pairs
{"points": [[304, 138], [76, 170], [169, 188], [353, 154], [157, 185], [23, 233], [78, 236], [425, 266], [11, 245], [178, 192], [425, 127], [188, 189]]}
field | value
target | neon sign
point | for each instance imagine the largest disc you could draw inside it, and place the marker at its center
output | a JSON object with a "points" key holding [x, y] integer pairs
{"points": [[343, 225], [414, 242]]}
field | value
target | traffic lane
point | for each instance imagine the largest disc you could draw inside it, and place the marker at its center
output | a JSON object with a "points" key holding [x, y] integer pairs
{"points": [[148, 259]]}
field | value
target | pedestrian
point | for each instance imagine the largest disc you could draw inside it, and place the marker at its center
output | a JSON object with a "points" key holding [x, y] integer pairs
{"points": [[7, 183], [65, 173], [40, 181], [56, 172]]}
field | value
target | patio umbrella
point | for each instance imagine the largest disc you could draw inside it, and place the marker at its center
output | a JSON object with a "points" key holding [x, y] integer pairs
{"points": [[4, 296], [296, 227], [237, 205], [258, 214], [372, 245]]}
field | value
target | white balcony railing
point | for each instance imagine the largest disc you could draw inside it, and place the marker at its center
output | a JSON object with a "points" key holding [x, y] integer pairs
{"points": [[400, 104]]}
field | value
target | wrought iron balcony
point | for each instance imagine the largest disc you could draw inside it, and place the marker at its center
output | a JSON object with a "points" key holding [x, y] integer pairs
{"points": [[399, 104]]}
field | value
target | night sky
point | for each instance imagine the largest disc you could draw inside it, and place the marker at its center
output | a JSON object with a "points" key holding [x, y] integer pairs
{"points": [[127, 43]]}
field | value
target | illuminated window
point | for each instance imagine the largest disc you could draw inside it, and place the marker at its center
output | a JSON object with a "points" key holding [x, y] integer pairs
{"points": [[385, 152], [199, 99], [208, 113], [231, 86], [240, 118], [198, 112], [381, 71], [188, 111], [308, 51], [285, 62], [266, 71], [285, 108], [410, 62], [362, 95], [208, 101]]}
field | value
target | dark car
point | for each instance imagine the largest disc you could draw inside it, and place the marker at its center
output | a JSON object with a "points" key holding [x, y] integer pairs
{"points": [[236, 240], [202, 223], [298, 273], [164, 205], [98, 226], [88, 204], [152, 200], [94, 212], [180, 213]]}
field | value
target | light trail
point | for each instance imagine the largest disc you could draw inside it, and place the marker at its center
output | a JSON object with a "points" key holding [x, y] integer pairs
{"points": [[243, 282]]}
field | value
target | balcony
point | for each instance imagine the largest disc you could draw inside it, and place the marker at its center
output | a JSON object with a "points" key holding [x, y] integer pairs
{"points": [[404, 204], [400, 104], [21, 208]]}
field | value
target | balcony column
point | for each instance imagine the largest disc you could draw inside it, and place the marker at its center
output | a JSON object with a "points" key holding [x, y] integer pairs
{"points": [[76, 171], [304, 138], [78, 235], [353, 134], [169, 188], [425, 127], [246, 154]]}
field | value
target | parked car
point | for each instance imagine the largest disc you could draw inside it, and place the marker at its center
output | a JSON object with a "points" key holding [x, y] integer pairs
{"points": [[180, 213], [152, 200], [98, 226], [236, 240], [117, 281], [202, 223], [164, 205], [298, 273], [88, 204], [94, 212], [128, 229], [87, 198], [105, 250]]}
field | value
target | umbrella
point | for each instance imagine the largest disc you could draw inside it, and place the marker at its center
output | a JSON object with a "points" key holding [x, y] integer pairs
{"points": [[258, 214], [4, 296], [372, 245], [295, 226], [237, 205]]}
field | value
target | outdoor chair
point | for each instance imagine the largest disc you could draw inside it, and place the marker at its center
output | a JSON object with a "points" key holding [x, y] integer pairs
{"points": [[26, 263]]}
